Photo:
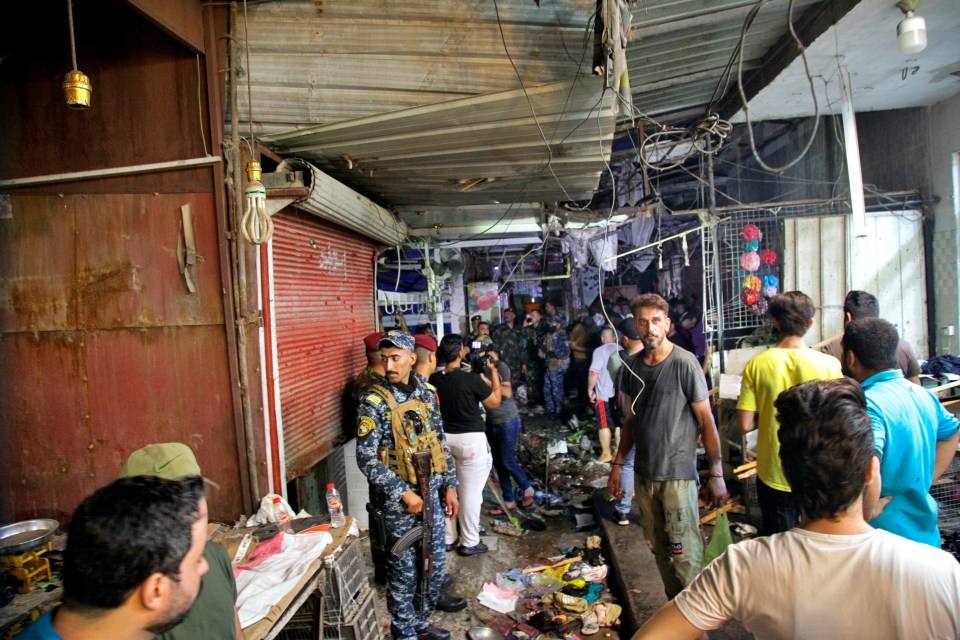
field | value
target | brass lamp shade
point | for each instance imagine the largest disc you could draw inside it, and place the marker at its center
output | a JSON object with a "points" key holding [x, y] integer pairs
{"points": [[78, 89]]}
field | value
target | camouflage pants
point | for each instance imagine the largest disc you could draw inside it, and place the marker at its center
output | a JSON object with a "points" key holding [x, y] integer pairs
{"points": [[403, 583], [534, 380], [553, 391]]}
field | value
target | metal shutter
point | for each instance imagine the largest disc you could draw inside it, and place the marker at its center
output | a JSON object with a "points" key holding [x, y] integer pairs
{"points": [[323, 307]]}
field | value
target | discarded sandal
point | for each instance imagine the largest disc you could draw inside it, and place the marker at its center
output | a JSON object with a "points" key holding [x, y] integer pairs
{"points": [[591, 624], [498, 511]]}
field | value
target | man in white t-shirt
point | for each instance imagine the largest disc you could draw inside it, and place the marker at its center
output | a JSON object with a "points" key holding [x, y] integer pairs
{"points": [[834, 576], [600, 391]]}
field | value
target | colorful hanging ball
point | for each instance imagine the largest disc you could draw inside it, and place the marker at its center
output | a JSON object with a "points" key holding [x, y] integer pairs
{"points": [[750, 261], [750, 232], [753, 245], [749, 296], [770, 292], [753, 283], [768, 257], [771, 281]]}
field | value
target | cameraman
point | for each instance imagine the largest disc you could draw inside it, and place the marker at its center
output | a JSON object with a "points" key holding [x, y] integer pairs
{"points": [[461, 393]]}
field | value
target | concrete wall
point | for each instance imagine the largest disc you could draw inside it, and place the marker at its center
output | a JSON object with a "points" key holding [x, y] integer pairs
{"points": [[944, 170]]}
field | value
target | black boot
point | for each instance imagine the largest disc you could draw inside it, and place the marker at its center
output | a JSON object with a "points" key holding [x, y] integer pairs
{"points": [[449, 603], [431, 632]]}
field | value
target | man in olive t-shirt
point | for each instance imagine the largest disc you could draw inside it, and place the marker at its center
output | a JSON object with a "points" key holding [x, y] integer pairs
{"points": [[214, 614]]}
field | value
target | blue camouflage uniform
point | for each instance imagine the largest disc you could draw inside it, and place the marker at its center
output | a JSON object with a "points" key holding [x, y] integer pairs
{"points": [[375, 430], [556, 348]]}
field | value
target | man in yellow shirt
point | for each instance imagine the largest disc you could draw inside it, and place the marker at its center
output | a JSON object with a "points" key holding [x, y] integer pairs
{"points": [[766, 375]]}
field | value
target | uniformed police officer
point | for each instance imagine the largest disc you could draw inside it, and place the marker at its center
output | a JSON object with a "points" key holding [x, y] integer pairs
{"points": [[392, 420]]}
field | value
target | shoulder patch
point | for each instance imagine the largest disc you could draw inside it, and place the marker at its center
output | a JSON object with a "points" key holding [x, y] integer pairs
{"points": [[431, 387], [373, 398], [366, 425]]}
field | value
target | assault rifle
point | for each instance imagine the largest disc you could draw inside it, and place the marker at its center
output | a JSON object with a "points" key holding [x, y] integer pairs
{"points": [[422, 464]]}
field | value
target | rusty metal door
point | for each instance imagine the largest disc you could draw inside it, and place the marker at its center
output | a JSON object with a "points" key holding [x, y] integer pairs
{"points": [[322, 307]]}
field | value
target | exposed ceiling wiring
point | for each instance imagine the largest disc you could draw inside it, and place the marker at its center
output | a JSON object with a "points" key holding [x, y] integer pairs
{"points": [[746, 102]]}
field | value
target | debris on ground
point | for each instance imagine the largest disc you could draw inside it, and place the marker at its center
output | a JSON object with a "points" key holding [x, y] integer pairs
{"points": [[566, 596]]}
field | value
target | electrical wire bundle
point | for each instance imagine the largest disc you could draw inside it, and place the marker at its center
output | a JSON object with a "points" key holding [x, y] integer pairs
{"points": [[706, 135]]}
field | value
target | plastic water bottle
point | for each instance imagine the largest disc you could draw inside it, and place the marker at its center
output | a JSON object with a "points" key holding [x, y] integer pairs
{"points": [[283, 518], [335, 507]]}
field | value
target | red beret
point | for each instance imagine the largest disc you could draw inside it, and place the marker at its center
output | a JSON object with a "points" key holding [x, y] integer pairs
{"points": [[427, 342], [372, 341]]}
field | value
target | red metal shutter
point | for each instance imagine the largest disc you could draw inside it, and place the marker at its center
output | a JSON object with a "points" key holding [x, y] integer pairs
{"points": [[323, 307]]}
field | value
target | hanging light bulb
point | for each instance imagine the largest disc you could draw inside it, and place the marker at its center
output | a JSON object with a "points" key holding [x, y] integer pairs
{"points": [[911, 34], [256, 224], [76, 85]]}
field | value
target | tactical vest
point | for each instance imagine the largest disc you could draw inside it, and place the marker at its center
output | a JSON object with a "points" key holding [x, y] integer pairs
{"points": [[405, 417]]}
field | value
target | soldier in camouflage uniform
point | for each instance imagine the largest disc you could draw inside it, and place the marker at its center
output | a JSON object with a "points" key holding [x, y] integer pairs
{"points": [[534, 331], [378, 456], [510, 343], [557, 351]]}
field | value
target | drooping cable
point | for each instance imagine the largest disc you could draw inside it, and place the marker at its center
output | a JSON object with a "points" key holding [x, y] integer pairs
{"points": [[746, 103]]}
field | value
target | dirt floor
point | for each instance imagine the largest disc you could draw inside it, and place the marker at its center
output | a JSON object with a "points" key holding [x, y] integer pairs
{"points": [[574, 481]]}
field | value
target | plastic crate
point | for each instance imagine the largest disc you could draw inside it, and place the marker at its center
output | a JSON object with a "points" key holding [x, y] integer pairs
{"points": [[345, 582], [362, 625]]}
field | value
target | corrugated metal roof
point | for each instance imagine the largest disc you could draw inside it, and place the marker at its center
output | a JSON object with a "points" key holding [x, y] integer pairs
{"points": [[417, 104], [435, 154], [679, 48]]}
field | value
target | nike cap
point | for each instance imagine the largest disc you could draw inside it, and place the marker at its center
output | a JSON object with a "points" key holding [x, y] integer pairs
{"points": [[170, 460]]}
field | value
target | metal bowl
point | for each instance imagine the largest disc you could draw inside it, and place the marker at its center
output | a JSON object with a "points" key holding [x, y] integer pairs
{"points": [[483, 633], [23, 536]]}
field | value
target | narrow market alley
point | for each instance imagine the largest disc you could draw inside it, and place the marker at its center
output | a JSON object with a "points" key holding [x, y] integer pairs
{"points": [[569, 516]]}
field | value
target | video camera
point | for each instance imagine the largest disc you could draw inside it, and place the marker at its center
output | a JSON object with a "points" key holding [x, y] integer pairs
{"points": [[479, 356]]}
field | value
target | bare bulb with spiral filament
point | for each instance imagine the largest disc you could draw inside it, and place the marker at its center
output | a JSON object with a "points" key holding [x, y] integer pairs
{"points": [[256, 224]]}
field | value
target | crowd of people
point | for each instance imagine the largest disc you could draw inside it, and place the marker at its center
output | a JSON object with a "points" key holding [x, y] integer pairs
{"points": [[848, 448]]}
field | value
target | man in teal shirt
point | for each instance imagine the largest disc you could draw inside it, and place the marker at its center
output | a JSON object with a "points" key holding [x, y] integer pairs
{"points": [[916, 438]]}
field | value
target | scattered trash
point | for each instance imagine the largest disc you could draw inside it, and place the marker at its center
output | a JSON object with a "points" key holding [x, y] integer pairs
{"points": [[497, 598], [557, 448], [585, 521], [505, 529]]}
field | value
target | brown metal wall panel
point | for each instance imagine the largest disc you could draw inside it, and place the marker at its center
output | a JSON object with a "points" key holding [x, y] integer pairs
{"points": [[43, 428], [104, 350], [102, 261], [323, 300], [77, 403], [145, 106]]}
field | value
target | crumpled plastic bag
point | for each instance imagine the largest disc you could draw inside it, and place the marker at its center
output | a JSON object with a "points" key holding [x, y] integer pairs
{"points": [[265, 514], [720, 540]]}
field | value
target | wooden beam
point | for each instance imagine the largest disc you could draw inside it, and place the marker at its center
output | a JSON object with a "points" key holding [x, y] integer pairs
{"points": [[181, 19]]}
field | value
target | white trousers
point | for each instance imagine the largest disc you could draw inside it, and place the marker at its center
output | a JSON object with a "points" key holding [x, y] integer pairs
{"points": [[471, 455]]}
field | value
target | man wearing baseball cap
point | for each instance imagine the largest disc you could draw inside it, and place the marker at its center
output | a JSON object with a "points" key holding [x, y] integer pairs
{"points": [[214, 615], [392, 419]]}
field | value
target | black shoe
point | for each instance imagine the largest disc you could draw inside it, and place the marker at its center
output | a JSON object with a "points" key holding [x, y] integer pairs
{"points": [[451, 546], [476, 549], [450, 603], [431, 632], [447, 581]]}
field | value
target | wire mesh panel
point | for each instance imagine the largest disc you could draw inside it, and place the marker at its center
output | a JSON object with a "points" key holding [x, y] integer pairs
{"points": [[946, 492], [726, 242]]}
